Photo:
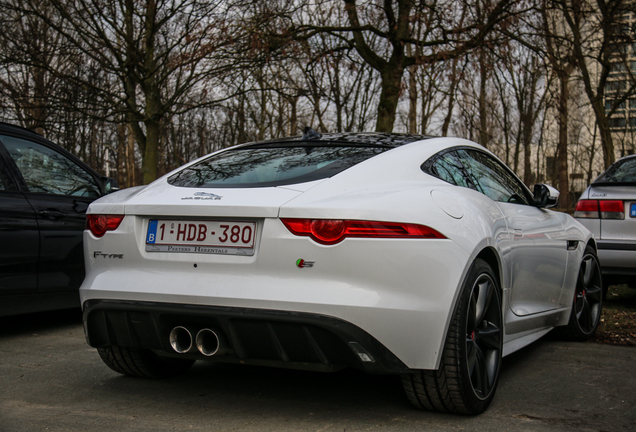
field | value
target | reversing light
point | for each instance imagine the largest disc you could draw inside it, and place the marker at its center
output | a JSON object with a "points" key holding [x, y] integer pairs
{"points": [[99, 224], [332, 231]]}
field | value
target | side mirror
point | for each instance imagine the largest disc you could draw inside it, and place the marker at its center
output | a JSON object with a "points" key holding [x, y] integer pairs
{"points": [[545, 196], [109, 185]]}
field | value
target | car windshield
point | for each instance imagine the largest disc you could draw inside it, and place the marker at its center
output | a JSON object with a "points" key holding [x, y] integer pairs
{"points": [[623, 171], [272, 165]]}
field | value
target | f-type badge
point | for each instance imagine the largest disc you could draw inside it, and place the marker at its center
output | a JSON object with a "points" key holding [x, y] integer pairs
{"points": [[100, 254], [301, 263]]}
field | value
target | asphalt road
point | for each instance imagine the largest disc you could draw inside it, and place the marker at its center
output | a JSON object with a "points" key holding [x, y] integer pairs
{"points": [[50, 380]]}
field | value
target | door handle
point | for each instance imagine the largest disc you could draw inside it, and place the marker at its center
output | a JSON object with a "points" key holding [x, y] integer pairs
{"points": [[52, 214], [517, 232]]}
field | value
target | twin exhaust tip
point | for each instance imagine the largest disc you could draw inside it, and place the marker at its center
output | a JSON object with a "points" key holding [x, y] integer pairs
{"points": [[208, 342]]}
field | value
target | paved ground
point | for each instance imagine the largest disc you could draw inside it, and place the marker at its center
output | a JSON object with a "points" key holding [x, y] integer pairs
{"points": [[51, 380]]}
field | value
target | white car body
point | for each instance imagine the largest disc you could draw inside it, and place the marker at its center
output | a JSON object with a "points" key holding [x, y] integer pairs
{"points": [[401, 292]]}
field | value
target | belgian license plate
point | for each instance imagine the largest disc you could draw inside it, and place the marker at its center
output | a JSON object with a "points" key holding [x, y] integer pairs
{"points": [[205, 237], [632, 210]]}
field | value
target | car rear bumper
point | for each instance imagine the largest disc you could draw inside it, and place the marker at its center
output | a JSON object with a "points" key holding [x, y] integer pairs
{"points": [[613, 254], [250, 336], [618, 261], [400, 292]]}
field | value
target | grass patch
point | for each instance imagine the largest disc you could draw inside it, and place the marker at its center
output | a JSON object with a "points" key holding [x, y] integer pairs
{"points": [[618, 320]]}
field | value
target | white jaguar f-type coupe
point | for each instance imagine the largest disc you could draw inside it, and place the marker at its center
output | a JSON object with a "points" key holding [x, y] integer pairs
{"points": [[411, 255]]}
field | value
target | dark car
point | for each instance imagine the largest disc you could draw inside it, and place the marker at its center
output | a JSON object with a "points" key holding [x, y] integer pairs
{"points": [[44, 194]]}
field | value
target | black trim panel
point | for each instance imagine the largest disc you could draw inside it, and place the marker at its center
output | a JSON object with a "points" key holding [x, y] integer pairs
{"points": [[616, 246], [620, 271], [255, 336]]}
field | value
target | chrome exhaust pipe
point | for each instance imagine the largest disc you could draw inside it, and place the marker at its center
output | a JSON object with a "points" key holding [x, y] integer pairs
{"points": [[210, 342], [181, 339]]}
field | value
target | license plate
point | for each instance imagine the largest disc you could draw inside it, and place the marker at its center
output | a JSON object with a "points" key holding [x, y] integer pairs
{"points": [[632, 211], [206, 237]]}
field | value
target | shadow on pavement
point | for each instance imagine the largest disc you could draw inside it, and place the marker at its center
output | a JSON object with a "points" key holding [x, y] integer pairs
{"points": [[38, 322]]}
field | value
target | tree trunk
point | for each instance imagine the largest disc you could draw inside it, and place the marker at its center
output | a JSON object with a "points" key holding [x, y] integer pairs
{"points": [[130, 159], [451, 97], [389, 97], [151, 154], [607, 143], [412, 96], [484, 136], [528, 177], [562, 146], [121, 152], [293, 118]]}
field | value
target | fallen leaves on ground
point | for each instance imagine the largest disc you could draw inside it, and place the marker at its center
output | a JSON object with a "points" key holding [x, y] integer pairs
{"points": [[618, 320]]}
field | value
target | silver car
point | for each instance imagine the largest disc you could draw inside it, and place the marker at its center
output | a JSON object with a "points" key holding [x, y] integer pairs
{"points": [[608, 209]]}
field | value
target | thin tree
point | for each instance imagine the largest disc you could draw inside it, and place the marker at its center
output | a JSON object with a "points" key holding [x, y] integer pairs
{"points": [[381, 31]]}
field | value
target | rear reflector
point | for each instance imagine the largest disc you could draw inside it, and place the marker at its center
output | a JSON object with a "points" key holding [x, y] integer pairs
{"points": [[99, 224], [332, 231], [603, 209]]}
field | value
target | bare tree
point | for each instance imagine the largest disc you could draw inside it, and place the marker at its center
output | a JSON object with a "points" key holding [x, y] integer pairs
{"points": [[381, 31], [26, 43], [559, 50], [158, 52], [597, 36], [530, 94]]}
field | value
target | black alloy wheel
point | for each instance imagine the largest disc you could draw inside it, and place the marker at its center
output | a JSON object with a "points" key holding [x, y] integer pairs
{"points": [[483, 336], [588, 300]]}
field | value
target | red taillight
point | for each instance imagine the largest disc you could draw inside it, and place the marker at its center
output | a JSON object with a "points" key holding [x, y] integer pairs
{"points": [[612, 209], [327, 231], [603, 209], [99, 224], [332, 231], [586, 209]]}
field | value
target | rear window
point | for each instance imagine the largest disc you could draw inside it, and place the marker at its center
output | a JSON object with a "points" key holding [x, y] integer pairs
{"points": [[272, 165], [623, 171]]}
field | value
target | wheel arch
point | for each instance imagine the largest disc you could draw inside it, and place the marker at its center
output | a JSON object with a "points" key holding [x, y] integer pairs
{"points": [[491, 257], [445, 389]]}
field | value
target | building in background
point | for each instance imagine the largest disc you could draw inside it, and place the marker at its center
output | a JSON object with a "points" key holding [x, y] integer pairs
{"points": [[620, 94]]}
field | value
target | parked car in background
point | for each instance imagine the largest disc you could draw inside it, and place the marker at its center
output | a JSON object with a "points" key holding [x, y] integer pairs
{"points": [[608, 209], [44, 194], [422, 257]]}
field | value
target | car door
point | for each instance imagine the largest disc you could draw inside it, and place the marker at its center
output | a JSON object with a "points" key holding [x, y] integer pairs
{"points": [[19, 236], [536, 245], [59, 191]]}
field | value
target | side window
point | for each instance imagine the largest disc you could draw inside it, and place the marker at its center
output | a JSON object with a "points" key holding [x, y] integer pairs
{"points": [[492, 178], [449, 168], [46, 171]]}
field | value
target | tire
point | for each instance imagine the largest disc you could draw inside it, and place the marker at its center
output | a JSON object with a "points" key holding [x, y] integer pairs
{"points": [[142, 363], [467, 378], [587, 303]]}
